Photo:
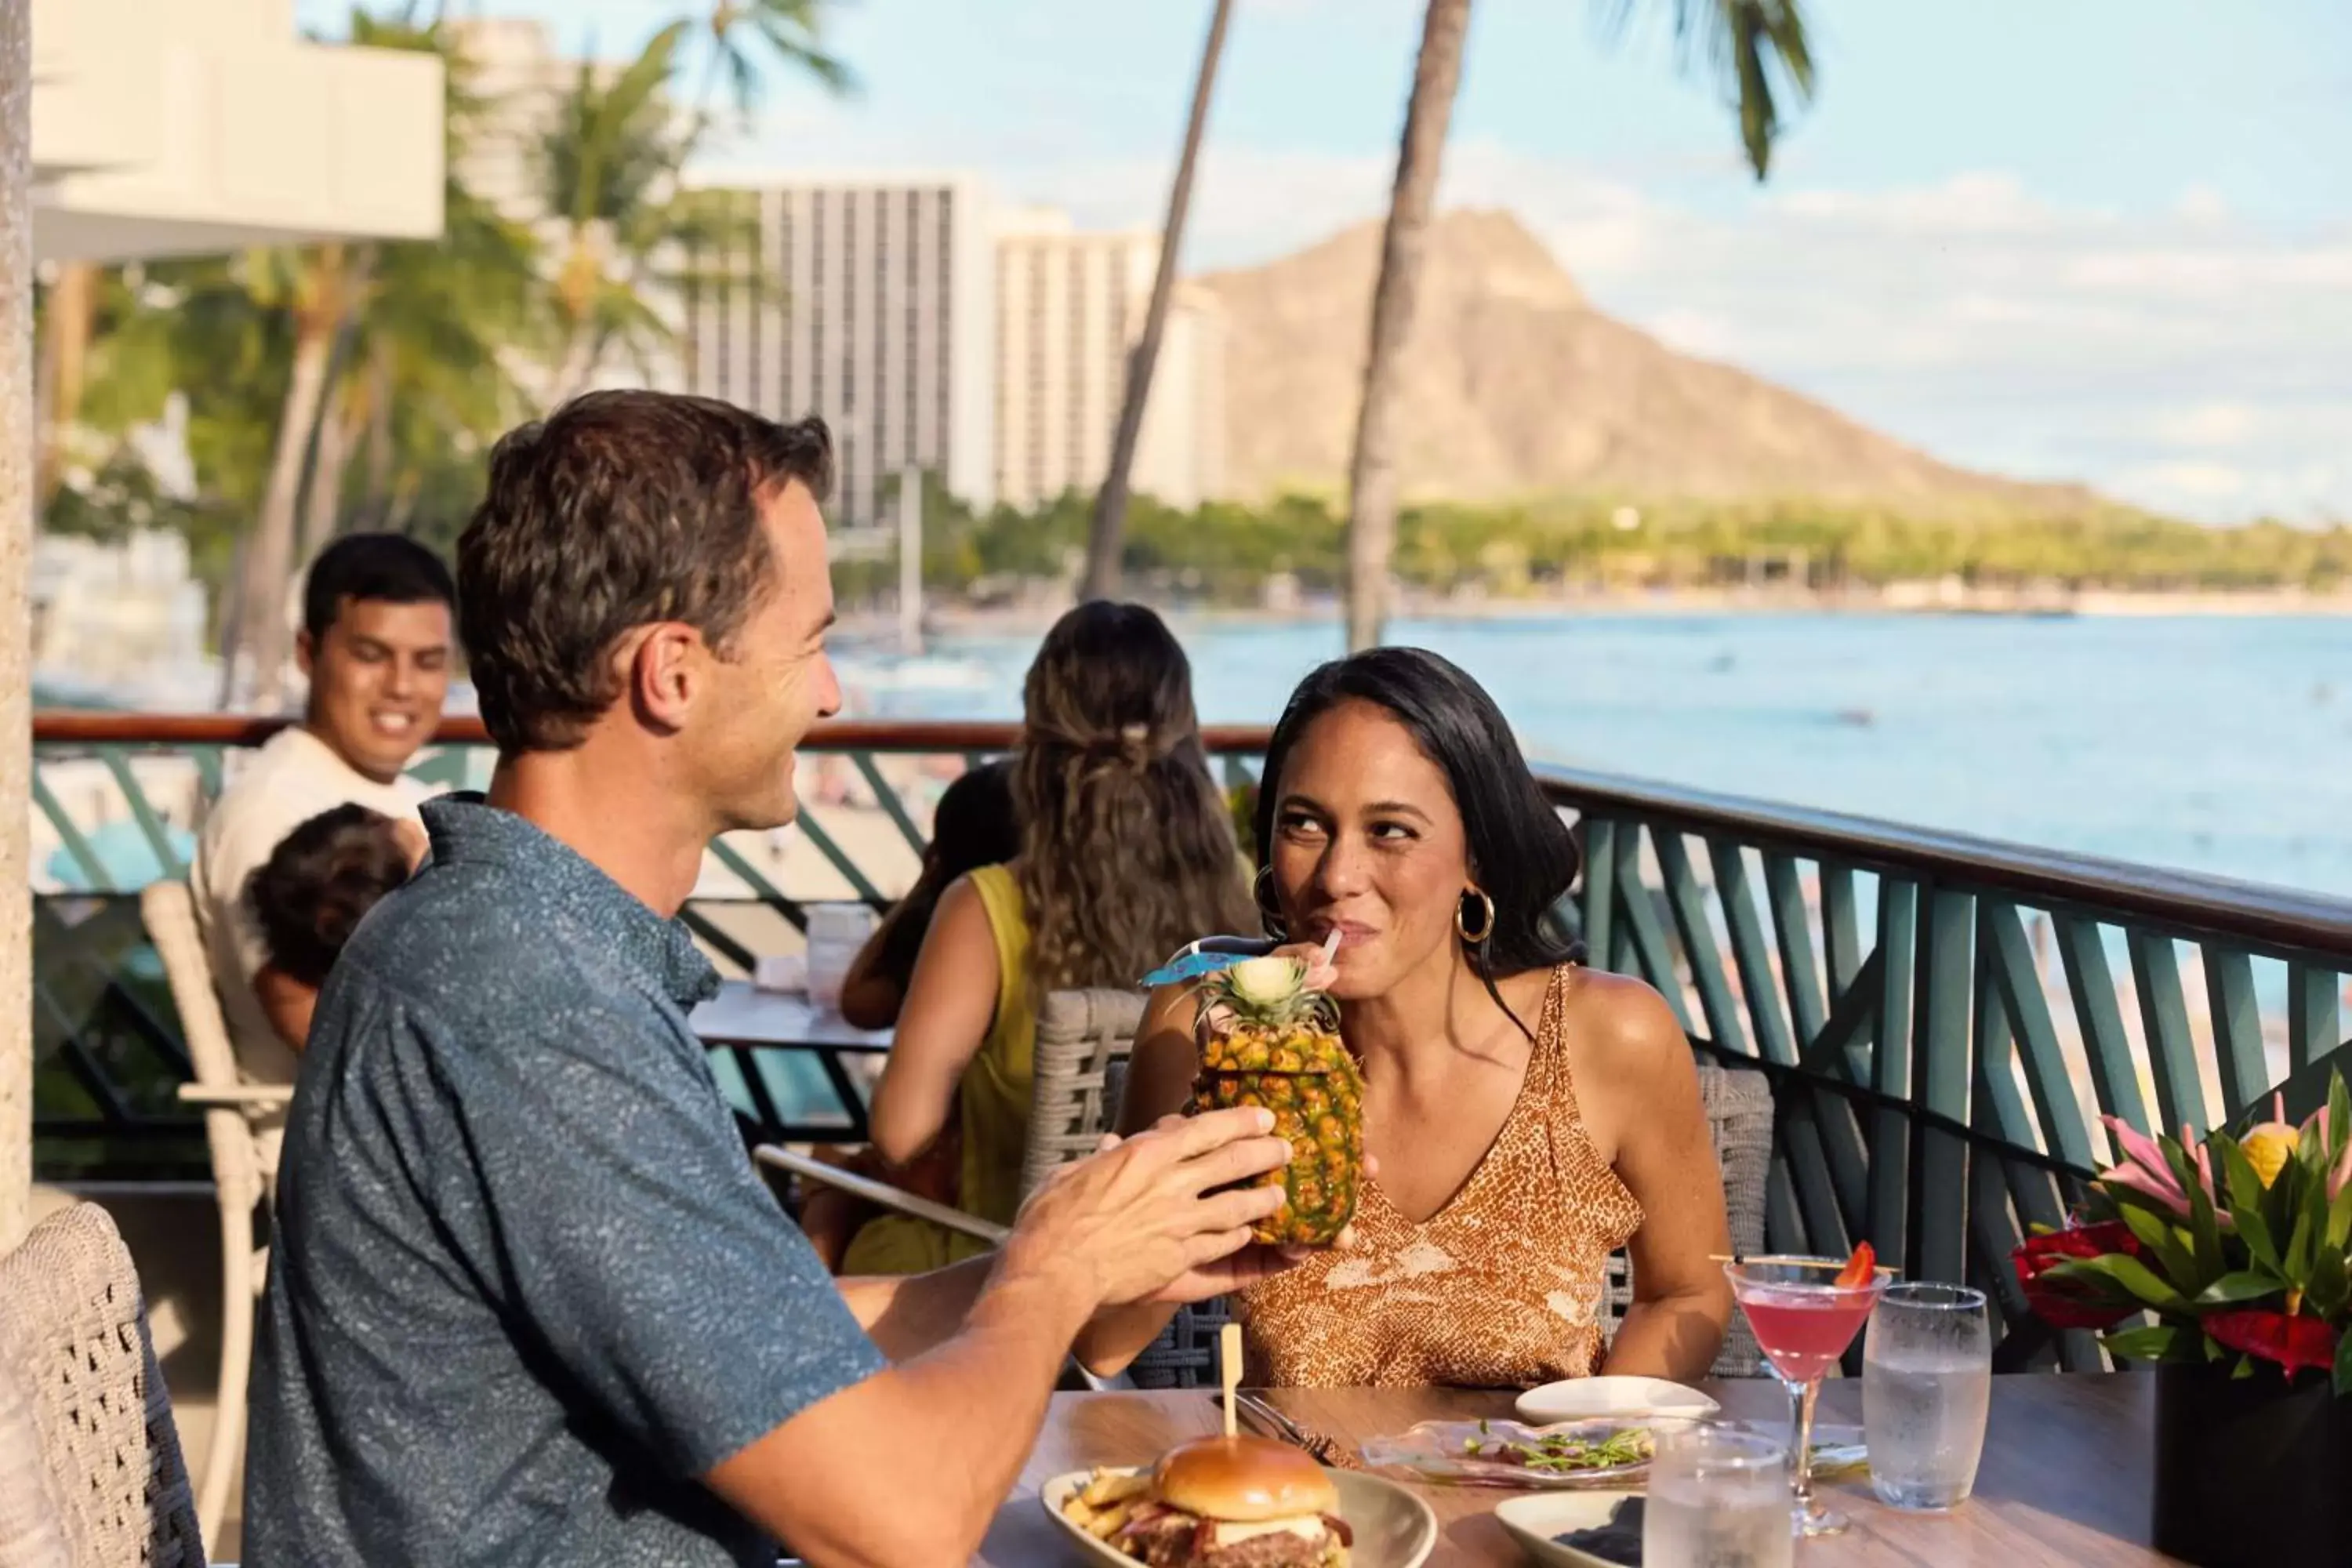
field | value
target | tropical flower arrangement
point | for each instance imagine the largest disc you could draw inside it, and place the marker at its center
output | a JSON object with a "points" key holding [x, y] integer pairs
{"points": [[2237, 1245]]}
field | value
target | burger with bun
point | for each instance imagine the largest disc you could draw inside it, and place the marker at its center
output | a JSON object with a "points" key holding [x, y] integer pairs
{"points": [[1221, 1502]]}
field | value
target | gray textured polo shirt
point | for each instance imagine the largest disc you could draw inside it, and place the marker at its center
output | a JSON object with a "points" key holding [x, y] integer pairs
{"points": [[525, 1286]]}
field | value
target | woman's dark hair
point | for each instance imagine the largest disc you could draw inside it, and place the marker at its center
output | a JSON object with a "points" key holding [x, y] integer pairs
{"points": [[1126, 851], [974, 826], [1521, 854], [310, 894]]}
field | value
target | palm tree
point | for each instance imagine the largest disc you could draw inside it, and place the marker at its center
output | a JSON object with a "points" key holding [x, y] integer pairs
{"points": [[610, 165], [349, 306], [1742, 40], [789, 30], [1104, 534]]}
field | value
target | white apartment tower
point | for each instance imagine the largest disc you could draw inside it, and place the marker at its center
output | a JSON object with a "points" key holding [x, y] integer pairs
{"points": [[871, 302], [1069, 306]]}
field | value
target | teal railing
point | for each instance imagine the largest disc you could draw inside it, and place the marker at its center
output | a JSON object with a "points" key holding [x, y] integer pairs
{"points": [[1942, 1019], [1945, 1020]]}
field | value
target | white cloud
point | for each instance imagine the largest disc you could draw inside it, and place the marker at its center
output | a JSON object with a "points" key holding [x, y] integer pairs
{"points": [[2209, 425]]}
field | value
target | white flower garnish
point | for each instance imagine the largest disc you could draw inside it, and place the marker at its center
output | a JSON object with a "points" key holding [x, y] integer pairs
{"points": [[1262, 982]]}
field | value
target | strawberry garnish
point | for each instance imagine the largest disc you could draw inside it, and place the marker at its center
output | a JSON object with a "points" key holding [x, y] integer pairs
{"points": [[1859, 1269]]}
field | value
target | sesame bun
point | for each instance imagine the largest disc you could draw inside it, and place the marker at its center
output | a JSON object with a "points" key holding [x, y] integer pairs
{"points": [[1242, 1480]]}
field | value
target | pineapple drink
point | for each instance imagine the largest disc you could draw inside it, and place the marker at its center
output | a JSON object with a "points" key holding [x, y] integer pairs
{"points": [[1266, 1040]]}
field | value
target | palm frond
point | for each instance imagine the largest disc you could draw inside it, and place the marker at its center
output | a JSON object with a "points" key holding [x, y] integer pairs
{"points": [[1756, 49]]}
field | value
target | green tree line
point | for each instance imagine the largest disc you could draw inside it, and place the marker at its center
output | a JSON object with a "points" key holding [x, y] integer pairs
{"points": [[1224, 552]]}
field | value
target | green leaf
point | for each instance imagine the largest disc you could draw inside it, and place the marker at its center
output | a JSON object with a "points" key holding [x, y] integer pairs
{"points": [[2246, 1189], [2339, 1218], [2234, 1290], [2174, 1253], [2133, 1276], [2163, 1342], [2339, 1115], [2328, 1288], [2303, 1249], [2215, 1349], [2245, 1368], [2204, 1232], [2283, 1205]]}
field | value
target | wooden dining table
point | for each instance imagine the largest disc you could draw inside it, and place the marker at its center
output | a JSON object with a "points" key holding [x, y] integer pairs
{"points": [[2064, 1482]]}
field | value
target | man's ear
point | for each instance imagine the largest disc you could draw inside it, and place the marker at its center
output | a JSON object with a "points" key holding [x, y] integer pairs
{"points": [[305, 651], [661, 669]]}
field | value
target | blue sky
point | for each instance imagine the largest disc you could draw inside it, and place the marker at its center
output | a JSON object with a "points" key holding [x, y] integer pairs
{"points": [[2105, 239]]}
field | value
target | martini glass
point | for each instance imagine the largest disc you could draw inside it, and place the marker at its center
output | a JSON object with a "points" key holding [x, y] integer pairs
{"points": [[1803, 1320]]}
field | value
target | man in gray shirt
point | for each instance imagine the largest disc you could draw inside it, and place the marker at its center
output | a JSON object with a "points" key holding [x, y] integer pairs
{"points": [[530, 1303]]}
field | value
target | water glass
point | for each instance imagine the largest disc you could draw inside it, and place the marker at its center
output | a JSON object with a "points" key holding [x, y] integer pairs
{"points": [[1927, 1380], [835, 933], [1718, 1498]]}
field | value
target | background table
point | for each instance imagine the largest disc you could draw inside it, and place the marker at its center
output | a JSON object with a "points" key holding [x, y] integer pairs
{"points": [[801, 1072], [2064, 1481]]}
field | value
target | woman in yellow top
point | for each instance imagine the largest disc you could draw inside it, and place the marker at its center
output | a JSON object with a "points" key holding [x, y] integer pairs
{"points": [[1126, 853]]}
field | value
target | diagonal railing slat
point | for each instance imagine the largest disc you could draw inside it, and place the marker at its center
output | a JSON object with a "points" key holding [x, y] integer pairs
{"points": [[1699, 948], [1757, 984], [2098, 1017], [2314, 1025], [2164, 1016], [1800, 976], [2237, 1025]]}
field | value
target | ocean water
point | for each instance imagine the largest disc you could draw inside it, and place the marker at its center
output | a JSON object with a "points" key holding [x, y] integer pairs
{"points": [[2215, 745]]}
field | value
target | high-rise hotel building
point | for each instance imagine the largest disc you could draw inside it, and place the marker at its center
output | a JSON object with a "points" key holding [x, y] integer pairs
{"points": [[870, 301], [1069, 307], [985, 346]]}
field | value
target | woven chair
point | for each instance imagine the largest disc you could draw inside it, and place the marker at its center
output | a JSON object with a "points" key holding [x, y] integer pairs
{"points": [[74, 1342], [1080, 1036], [1739, 1113], [242, 1174]]}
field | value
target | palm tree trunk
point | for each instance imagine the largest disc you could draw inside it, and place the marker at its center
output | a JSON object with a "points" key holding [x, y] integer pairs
{"points": [[64, 359], [1103, 538], [1371, 471], [376, 503], [269, 565], [323, 503]]}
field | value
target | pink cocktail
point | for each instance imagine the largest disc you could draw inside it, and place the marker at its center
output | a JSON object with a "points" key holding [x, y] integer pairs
{"points": [[1805, 1311], [1804, 1334]]}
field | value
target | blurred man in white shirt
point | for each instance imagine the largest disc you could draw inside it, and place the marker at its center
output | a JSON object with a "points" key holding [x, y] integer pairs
{"points": [[375, 644]]}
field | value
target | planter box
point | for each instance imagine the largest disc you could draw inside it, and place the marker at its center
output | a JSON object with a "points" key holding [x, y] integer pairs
{"points": [[2249, 1474]]}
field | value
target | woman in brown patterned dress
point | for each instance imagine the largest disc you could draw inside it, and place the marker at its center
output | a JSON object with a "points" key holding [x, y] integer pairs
{"points": [[1526, 1116]]}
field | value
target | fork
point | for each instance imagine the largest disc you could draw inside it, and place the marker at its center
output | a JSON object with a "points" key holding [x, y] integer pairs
{"points": [[1274, 1423]]}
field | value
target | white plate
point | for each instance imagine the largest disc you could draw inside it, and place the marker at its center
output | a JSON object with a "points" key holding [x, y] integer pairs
{"points": [[1537, 1517], [1597, 1398], [1394, 1529]]}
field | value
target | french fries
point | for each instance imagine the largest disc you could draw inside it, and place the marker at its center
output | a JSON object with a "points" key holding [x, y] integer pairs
{"points": [[1108, 1487], [1103, 1505]]}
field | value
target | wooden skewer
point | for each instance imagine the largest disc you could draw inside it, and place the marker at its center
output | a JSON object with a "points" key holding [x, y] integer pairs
{"points": [[1722, 1258], [1229, 1367]]}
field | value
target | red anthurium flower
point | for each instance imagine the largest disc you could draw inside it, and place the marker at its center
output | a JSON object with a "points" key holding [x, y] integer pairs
{"points": [[2292, 1342], [2054, 1303]]}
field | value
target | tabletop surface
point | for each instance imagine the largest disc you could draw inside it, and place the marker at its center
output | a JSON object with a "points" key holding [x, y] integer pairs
{"points": [[2064, 1482], [743, 1014]]}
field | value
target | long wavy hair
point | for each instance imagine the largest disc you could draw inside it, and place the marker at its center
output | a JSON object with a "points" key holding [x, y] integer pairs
{"points": [[1126, 848]]}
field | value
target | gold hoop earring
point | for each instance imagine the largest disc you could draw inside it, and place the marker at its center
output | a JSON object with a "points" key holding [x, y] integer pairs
{"points": [[1462, 925], [1268, 914]]}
